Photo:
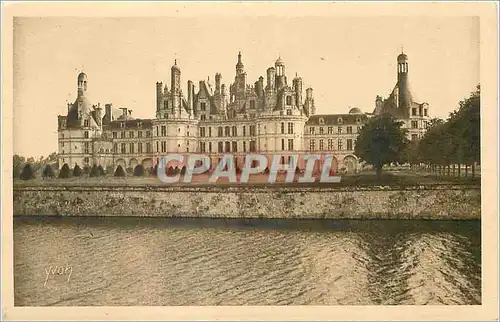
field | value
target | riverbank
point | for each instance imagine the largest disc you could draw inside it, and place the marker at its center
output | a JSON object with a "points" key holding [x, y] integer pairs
{"points": [[299, 201]]}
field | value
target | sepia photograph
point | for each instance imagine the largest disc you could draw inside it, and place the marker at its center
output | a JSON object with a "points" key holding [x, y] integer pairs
{"points": [[309, 158]]}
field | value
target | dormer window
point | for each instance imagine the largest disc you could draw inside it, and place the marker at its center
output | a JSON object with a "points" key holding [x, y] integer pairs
{"points": [[122, 125], [86, 123], [358, 120], [139, 124], [321, 121], [203, 106], [289, 100], [340, 120], [288, 112], [252, 104]]}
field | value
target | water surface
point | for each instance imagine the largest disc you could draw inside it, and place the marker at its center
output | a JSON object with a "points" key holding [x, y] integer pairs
{"points": [[141, 261]]}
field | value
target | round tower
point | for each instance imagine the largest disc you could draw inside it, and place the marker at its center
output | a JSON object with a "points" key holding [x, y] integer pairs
{"points": [[404, 98], [239, 66]]}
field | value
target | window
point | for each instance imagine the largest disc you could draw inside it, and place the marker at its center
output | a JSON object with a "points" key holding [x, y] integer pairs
{"points": [[123, 151], [203, 106], [202, 132], [413, 111], [131, 134], [244, 146], [425, 112], [219, 131], [209, 131], [339, 130], [349, 130], [290, 128], [321, 130], [62, 144], [86, 160], [203, 117], [86, 134], [290, 144], [163, 130], [253, 146], [252, 130], [358, 129], [227, 147], [288, 112], [289, 100], [131, 147], [139, 134], [115, 148], [210, 147], [330, 130], [114, 135], [414, 137], [244, 130], [202, 147], [420, 111], [122, 135], [157, 146], [122, 125], [148, 148], [330, 145], [163, 146], [283, 144], [282, 128], [414, 124], [157, 131], [321, 121], [311, 130], [349, 144], [148, 134], [340, 145], [252, 104], [227, 131], [321, 145], [139, 124], [86, 123], [235, 131], [340, 120], [358, 120], [312, 145], [220, 147], [235, 146], [86, 148]]}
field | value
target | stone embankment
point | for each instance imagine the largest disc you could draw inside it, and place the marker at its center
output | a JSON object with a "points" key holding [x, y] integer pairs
{"points": [[439, 202]]}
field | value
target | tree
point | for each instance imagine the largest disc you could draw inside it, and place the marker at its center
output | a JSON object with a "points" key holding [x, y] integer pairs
{"points": [[94, 171], [77, 171], [109, 170], [138, 170], [64, 173], [48, 172], [27, 173], [119, 171], [381, 141]]}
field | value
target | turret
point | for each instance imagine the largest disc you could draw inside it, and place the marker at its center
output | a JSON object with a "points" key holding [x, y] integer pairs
{"points": [[280, 74], [218, 77], [309, 103], [404, 95], [176, 87], [82, 84], [239, 65]]}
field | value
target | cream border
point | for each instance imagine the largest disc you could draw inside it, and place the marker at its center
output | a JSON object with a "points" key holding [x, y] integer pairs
{"points": [[489, 82]]}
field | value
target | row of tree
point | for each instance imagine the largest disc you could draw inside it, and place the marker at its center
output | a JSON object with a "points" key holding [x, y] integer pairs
{"points": [[446, 145]]}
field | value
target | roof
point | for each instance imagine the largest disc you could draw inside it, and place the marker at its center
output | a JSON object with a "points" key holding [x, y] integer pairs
{"points": [[402, 56], [355, 110], [333, 119], [146, 124]]}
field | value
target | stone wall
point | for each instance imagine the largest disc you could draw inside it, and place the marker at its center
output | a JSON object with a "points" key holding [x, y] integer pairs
{"points": [[431, 202]]}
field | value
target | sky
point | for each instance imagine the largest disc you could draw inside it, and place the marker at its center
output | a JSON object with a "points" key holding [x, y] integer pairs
{"points": [[347, 61]]}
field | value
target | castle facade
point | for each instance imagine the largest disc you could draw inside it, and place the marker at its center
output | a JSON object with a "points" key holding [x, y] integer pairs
{"points": [[266, 117]]}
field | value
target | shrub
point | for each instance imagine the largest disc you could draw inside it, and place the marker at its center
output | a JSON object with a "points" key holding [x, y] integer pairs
{"points": [[139, 170], [130, 170], [119, 171], [48, 172], [77, 171], [109, 170], [27, 173], [86, 170], [101, 170], [94, 172], [64, 173]]}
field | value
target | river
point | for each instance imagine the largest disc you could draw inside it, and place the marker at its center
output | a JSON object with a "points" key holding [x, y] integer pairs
{"points": [[164, 262]]}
